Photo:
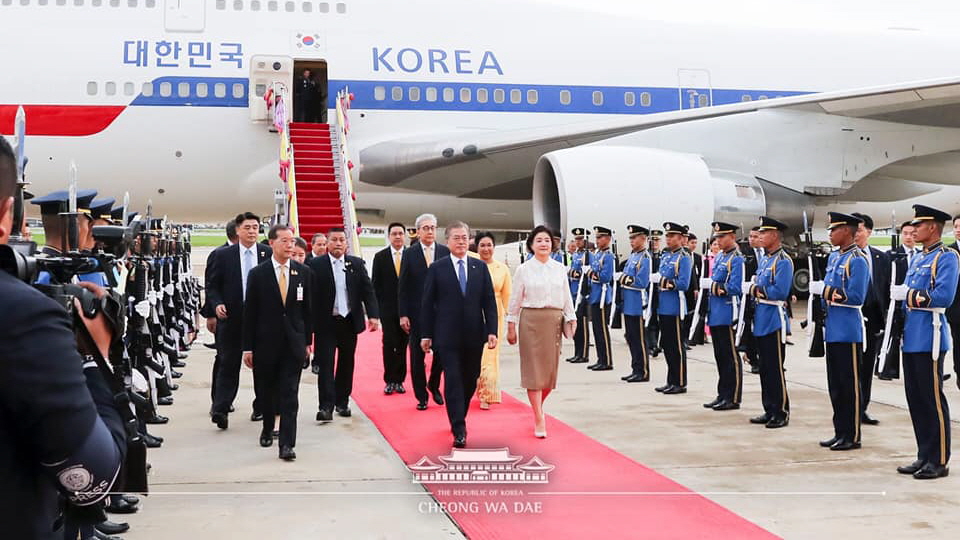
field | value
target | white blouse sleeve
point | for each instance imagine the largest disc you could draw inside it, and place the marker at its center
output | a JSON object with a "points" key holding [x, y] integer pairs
{"points": [[516, 296], [569, 314]]}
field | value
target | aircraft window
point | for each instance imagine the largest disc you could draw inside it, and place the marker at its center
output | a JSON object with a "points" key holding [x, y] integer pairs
{"points": [[379, 93], [703, 100], [221, 4], [324, 7], [516, 96], [151, 3], [745, 98], [597, 98], [498, 95], [341, 7], [203, 90], [255, 5], [110, 88], [42, 2], [91, 88], [220, 90], [183, 89], [132, 3], [272, 5], [239, 90], [147, 89], [290, 7], [396, 93], [237, 5], [482, 95], [166, 89], [307, 7], [448, 94], [6, 2], [128, 88], [761, 96], [629, 99], [113, 3], [414, 93], [431, 94], [97, 3], [64, 2], [645, 99], [76, 2], [564, 97], [533, 97], [466, 96]]}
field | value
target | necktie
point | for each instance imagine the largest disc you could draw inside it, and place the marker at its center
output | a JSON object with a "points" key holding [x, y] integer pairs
{"points": [[462, 275], [247, 265], [396, 262], [283, 284], [428, 255]]}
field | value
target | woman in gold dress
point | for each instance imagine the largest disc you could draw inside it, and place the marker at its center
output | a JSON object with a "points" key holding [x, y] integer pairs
{"points": [[488, 386]]}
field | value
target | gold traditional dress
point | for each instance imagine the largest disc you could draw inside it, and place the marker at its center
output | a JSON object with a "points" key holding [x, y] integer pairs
{"points": [[488, 385]]}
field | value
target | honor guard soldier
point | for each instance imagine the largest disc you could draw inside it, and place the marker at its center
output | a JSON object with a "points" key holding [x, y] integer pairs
{"points": [[675, 271], [635, 284], [930, 287], [601, 270], [580, 285], [557, 254], [653, 323], [771, 291], [725, 285], [845, 288], [55, 225]]}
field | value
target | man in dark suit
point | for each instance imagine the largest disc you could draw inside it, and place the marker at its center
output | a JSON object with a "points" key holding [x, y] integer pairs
{"points": [[226, 293], [277, 332], [343, 290], [386, 276], [457, 316], [874, 311], [902, 256], [207, 310], [413, 271], [953, 312], [699, 337]]}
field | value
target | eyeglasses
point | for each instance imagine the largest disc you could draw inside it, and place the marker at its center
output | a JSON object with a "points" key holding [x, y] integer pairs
{"points": [[460, 238], [428, 227]]}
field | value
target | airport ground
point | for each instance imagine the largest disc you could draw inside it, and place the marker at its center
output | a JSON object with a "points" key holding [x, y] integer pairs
{"points": [[213, 484]]}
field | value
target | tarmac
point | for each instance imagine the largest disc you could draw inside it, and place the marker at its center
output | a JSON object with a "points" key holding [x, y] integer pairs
{"points": [[348, 483]]}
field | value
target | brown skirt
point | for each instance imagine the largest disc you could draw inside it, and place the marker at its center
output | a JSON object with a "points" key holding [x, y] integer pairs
{"points": [[540, 333]]}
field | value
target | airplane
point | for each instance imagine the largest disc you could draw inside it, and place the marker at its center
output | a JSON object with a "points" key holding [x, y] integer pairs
{"points": [[498, 113]]}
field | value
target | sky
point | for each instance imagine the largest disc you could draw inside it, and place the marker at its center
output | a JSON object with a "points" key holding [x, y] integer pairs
{"points": [[935, 16]]}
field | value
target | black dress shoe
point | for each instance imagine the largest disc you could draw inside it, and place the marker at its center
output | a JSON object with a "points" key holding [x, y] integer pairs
{"points": [[175, 374], [726, 406], [256, 416], [166, 400], [344, 412], [842, 445], [131, 499], [437, 396], [220, 420], [460, 441], [911, 468], [287, 453], [231, 409], [97, 535], [675, 390], [930, 471], [178, 364], [594, 366], [118, 505], [388, 390], [421, 405], [628, 376], [275, 434], [603, 367], [399, 388], [884, 377], [174, 387], [266, 440], [572, 358], [754, 369], [654, 352], [830, 442], [580, 360], [151, 441], [109, 527], [636, 377], [324, 416], [712, 404], [867, 419], [157, 419], [762, 419], [775, 423], [662, 388]]}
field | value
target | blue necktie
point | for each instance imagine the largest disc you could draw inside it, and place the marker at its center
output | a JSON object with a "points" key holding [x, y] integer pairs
{"points": [[462, 274]]}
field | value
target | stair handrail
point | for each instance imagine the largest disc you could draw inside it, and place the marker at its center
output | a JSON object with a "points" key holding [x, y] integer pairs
{"points": [[277, 98], [345, 174]]}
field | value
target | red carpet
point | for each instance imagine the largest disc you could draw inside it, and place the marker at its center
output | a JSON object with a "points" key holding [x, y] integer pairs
{"points": [[597, 475]]}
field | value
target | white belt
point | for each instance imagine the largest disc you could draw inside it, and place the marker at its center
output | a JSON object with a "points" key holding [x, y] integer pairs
{"points": [[936, 312], [783, 320], [683, 303], [863, 322]]}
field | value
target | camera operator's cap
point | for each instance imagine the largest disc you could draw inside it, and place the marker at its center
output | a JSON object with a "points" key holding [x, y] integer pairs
{"points": [[100, 208], [925, 213], [769, 224], [636, 230], [867, 220], [674, 228], [580, 232], [720, 228], [59, 201], [602, 231], [838, 219]]}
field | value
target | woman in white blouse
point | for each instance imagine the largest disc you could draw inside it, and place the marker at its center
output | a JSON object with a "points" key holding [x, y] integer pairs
{"points": [[541, 303]]}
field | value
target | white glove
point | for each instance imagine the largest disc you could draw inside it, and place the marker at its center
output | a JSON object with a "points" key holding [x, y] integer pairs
{"points": [[745, 286], [587, 270], [168, 289], [152, 296], [142, 308], [655, 277], [706, 283], [816, 287], [898, 292]]}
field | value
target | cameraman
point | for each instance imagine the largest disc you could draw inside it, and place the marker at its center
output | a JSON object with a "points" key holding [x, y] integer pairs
{"points": [[60, 432]]}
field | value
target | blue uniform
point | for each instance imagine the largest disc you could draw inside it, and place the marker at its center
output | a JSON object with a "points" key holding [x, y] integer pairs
{"points": [[773, 281], [634, 282], [581, 338], [847, 275], [675, 271], [576, 270], [932, 283], [603, 266], [727, 277]]}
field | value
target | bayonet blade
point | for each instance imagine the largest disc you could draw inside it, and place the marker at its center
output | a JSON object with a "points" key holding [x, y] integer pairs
{"points": [[20, 135], [126, 208], [806, 225], [72, 188]]}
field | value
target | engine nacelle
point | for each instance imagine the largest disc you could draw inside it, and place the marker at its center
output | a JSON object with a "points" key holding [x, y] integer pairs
{"points": [[616, 185]]}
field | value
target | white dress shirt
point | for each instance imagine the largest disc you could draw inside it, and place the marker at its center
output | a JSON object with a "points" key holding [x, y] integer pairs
{"points": [[456, 268], [540, 285], [341, 305], [246, 264]]}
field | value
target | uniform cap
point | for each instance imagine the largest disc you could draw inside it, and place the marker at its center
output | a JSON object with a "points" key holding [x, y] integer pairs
{"points": [[101, 208], [838, 219], [769, 224], [926, 213], [674, 228], [656, 233], [59, 201], [720, 228], [635, 230], [602, 231], [412, 232]]}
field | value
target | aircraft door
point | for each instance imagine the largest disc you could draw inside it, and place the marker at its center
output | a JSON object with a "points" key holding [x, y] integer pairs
{"points": [[694, 87], [264, 71]]}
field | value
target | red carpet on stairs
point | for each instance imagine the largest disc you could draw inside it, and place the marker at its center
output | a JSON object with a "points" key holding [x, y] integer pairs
{"points": [[318, 193], [583, 497]]}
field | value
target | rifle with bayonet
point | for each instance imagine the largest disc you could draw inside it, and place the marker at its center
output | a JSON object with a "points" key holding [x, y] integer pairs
{"points": [[893, 326], [700, 311], [816, 314]]}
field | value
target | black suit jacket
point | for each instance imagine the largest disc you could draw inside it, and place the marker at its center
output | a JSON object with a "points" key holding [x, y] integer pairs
{"points": [[208, 310], [413, 272], [226, 283], [272, 330], [878, 296], [359, 292], [385, 283], [448, 317]]}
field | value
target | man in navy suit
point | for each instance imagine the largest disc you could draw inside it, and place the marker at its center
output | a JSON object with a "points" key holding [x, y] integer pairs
{"points": [[207, 310], [226, 293], [458, 316], [413, 271]]}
